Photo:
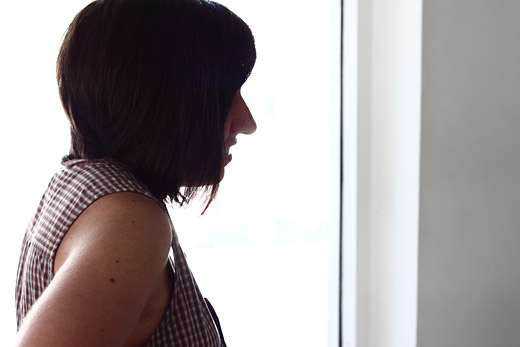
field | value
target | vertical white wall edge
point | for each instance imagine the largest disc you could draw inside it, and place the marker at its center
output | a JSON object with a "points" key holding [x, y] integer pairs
{"points": [[350, 105], [382, 112]]}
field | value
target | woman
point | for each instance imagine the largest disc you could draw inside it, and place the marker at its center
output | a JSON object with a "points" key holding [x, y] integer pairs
{"points": [[152, 92]]}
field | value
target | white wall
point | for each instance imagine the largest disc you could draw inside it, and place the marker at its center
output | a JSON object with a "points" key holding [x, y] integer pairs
{"points": [[381, 166], [469, 230]]}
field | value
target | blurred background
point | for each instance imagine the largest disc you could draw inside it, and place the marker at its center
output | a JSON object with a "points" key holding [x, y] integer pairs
{"points": [[377, 205]]}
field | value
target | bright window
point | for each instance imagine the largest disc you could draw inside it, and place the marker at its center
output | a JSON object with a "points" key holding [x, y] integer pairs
{"points": [[266, 253]]}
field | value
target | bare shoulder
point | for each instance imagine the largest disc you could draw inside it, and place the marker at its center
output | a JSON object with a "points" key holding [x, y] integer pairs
{"points": [[106, 270], [126, 222]]}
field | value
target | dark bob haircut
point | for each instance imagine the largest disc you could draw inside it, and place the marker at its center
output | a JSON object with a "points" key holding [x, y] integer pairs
{"points": [[149, 83]]}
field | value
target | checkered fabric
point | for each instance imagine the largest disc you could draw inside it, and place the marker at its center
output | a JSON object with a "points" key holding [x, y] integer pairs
{"points": [[189, 319]]}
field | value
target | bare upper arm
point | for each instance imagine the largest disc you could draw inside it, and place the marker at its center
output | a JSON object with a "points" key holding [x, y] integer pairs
{"points": [[106, 269]]}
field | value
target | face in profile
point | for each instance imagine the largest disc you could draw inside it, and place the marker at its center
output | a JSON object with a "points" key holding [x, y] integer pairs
{"points": [[239, 120]]}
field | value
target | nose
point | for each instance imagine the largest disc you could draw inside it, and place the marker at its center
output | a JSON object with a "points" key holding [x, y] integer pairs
{"points": [[242, 121], [248, 124]]}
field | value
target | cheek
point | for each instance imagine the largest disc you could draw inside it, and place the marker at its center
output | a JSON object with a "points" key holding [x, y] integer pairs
{"points": [[227, 129], [228, 124]]}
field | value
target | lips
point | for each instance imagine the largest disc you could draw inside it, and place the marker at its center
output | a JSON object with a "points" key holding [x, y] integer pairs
{"points": [[227, 156]]}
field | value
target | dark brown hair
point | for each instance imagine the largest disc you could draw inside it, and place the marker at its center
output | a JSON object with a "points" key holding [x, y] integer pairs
{"points": [[149, 83]]}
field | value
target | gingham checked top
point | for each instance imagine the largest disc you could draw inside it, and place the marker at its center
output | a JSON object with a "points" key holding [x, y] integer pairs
{"points": [[189, 320]]}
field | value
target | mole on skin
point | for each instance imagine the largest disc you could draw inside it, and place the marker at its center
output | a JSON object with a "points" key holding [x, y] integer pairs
{"points": [[112, 280]]}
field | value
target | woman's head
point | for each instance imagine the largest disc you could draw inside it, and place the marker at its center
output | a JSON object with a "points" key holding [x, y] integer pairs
{"points": [[150, 83]]}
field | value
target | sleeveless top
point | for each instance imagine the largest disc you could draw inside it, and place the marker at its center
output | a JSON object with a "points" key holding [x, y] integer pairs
{"points": [[189, 319]]}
